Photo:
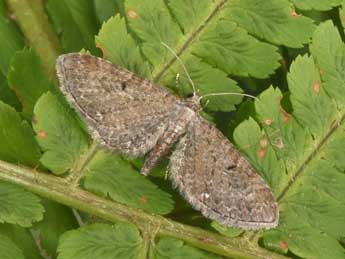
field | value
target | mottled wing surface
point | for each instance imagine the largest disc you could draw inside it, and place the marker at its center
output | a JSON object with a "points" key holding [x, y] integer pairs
{"points": [[124, 111], [213, 176]]}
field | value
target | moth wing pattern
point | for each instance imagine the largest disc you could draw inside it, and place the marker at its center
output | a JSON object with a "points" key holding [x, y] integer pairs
{"points": [[217, 180], [123, 111]]}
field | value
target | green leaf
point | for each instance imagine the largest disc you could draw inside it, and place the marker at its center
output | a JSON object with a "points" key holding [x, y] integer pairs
{"points": [[190, 13], [57, 220], [321, 5], [76, 22], [59, 134], [229, 47], [28, 79], [312, 106], [121, 49], [328, 50], [8, 249], [11, 41], [7, 95], [204, 37], [23, 239], [171, 248], [272, 20], [207, 80], [227, 231], [311, 184], [287, 137], [109, 175], [17, 139], [152, 23], [105, 9], [18, 206], [253, 142], [119, 241]]}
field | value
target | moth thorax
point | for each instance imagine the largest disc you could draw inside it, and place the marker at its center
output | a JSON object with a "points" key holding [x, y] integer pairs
{"points": [[193, 102]]}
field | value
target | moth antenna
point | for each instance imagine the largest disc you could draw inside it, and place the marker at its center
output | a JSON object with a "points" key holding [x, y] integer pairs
{"points": [[177, 80], [219, 94], [184, 67]]}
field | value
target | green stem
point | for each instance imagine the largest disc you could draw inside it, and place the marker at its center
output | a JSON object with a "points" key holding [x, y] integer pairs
{"points": [[33, 21], [74, 177], [59, 190]]}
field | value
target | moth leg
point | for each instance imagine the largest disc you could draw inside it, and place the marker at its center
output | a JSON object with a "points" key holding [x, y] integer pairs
{"points": [[175, 129]]}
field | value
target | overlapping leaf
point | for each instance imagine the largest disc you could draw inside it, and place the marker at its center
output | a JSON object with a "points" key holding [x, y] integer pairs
{"points": [[111, 176], [171, 248], [18, 206], [316, 4], [57, 220], [274, 20], [121, 241], [8, 249], [23, 239], [11, 41], [59, 134], [299, 150], [28, 79], [206, 38], [105, 9], [76, 22], [17, 139]]}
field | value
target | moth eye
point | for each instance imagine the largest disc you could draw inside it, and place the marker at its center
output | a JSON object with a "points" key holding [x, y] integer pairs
{"points": [[123, 86], [189, 95]]}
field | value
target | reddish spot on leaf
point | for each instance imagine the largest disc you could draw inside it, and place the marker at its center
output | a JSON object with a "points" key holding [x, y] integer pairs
{"points": [[293, 13], [42, 134], [132, 14], [261, 152], [317, 87], [284, 245], [286, 116], [143, 199], [104, 54], [268, 122]]}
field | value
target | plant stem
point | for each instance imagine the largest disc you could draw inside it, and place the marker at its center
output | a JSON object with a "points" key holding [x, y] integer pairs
{"points": [[60, 190], [33, 21], [74, 177]]}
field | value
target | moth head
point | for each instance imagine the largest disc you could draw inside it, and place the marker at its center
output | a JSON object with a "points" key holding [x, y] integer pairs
{"points": [[193, 101]]}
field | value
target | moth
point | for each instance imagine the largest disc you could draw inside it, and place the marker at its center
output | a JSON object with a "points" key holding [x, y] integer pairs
{"points": [[131, 115]]}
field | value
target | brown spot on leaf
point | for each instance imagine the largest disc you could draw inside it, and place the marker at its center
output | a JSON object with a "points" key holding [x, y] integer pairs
{"points": [[284, 245], [143, 199], [132, 14], [34, 119], [263, 142], [104, 53], [286, 116], [268, 122], [317, 87], [293, 13], [261, 152], [321, 72], [42, 134]]}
